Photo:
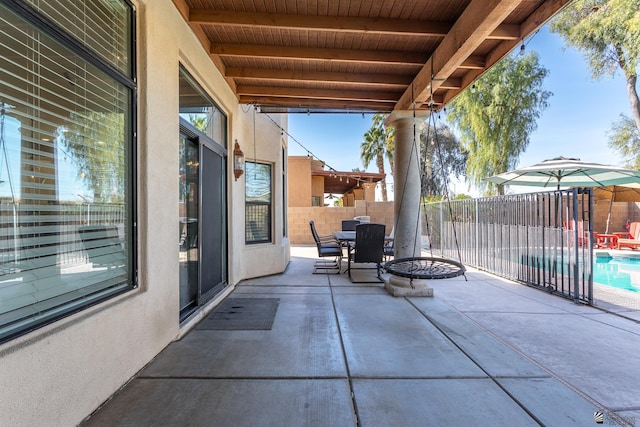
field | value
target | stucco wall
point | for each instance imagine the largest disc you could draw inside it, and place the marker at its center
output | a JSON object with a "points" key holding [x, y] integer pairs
{"points": [[317, 188], [299, 181], [264, 145], [59, 374]]}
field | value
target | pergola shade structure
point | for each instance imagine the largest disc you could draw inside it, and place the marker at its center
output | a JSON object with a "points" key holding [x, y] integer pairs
{"points": [[343, 182], [327, 55]]}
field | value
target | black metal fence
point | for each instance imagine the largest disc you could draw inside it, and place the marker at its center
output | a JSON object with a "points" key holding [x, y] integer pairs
{"points": [[540, 239]]}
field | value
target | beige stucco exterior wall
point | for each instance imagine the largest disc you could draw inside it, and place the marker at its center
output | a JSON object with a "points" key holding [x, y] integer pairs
{"points": [[265, 145], [59, 374], [299, 181], [317, 189]]}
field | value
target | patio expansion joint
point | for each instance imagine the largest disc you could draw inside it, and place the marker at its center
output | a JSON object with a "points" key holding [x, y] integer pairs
{"points": [[535, 313], [618, 314], [249, 378], [354, 403], [493, 378], [445, 377], [592, 317], [625, 408], [595, 305], [562, 313], [552, 374]]}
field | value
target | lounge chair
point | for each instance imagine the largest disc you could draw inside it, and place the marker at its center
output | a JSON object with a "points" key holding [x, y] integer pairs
{"points": [[633, 238]]}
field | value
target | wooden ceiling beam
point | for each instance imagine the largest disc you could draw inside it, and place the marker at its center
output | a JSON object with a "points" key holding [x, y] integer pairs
{"points": [[477, 22], [451, 83], [321, 23], [183, 8], [320, 76], [318, 54], [404, 27], [474, 62], [337, 94], [506, 32], [536, 20], [311, 104]]}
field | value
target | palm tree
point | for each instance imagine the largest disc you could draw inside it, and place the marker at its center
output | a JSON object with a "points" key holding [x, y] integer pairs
{"points": [[378, 143], [389, 134]]}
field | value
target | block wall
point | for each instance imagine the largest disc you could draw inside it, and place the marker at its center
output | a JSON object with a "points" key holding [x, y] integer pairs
{"points": [[328, 220]]}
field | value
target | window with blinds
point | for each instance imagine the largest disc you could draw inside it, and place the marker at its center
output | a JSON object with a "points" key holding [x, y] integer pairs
{"points": [[66, 158], [257, 203]]}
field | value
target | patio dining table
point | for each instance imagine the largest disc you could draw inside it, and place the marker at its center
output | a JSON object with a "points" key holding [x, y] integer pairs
{"points": [[348, 238], [345, 236]]}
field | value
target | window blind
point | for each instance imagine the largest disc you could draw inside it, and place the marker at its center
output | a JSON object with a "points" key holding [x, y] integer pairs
{"points": [[65, 164], [101, 25]]}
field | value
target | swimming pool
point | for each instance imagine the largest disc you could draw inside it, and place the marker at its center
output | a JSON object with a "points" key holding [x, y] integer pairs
{"points": [[618, 272]]}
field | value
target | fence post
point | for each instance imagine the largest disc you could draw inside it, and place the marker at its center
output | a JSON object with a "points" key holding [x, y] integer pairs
{"points": [[576, 231], [477, 227], [590, 247]]}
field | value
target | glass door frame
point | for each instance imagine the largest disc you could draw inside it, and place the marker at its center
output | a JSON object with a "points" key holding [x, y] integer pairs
{"points": [[188, 131]]}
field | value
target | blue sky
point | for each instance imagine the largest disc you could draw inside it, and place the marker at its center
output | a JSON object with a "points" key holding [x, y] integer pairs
{"points": [[69, 186], [575, 124]]}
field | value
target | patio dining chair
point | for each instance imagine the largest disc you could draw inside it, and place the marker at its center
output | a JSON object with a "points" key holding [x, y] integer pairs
{"points": [[367, 248], [349, 224], [328, 247]]}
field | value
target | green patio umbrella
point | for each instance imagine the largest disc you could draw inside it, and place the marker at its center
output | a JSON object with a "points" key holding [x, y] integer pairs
{"points": [[567, 172], [610, 182]]}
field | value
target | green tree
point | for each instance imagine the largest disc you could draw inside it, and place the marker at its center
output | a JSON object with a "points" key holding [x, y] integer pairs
{"points": [[200, 122], [441, 156], [624, 137], [607, 32], [389, 139], [496, 116], [377, 144], [95, 141]]}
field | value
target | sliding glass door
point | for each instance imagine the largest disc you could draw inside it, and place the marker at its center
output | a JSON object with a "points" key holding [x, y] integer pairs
{"points": [[203, 221], [189, 255]]}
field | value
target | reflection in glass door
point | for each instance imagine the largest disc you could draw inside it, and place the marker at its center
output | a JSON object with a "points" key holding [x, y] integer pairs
{"points": [[188, 227]]}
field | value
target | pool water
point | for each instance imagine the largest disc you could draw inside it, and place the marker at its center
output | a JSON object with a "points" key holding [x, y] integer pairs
{"points": [[622, 273]]}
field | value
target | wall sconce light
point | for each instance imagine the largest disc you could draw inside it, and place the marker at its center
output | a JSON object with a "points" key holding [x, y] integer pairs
{"points": [[238, 161]]}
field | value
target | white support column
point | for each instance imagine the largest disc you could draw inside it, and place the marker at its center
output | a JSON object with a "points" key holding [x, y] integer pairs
{"points": [[406, 187]]}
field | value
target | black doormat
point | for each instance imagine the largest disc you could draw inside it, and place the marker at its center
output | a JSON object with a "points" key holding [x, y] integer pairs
{"points": [[236, 314]]}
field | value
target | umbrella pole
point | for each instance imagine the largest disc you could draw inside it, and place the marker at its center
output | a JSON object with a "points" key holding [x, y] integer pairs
{"points": [[606, 231]]}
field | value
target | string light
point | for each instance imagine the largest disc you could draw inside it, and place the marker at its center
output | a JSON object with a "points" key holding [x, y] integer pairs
{"points": [[309, 153], [313, 156]]}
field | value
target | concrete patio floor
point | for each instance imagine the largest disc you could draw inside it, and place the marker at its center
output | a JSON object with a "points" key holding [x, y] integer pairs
{"points": [[484, 351]]}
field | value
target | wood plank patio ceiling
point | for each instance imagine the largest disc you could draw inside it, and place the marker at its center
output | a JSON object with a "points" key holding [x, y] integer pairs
{"points": [[369, 55]]}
